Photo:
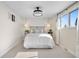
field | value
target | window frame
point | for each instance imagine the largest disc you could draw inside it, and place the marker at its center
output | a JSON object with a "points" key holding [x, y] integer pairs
{"points": [[69, 21], [70, 26], [61, 21]]}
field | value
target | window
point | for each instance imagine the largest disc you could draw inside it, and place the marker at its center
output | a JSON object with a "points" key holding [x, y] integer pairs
{"points": [[64, 21], [68, 20], [73, 18]]}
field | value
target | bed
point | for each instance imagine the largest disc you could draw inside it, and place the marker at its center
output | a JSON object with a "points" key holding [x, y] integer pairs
{"points": [[38, 40]]}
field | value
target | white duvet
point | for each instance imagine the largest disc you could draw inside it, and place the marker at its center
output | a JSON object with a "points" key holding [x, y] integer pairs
{"points": [[38, 40]]}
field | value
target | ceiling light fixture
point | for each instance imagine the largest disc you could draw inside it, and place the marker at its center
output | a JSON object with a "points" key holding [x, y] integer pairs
{"points": [[37, 12]]}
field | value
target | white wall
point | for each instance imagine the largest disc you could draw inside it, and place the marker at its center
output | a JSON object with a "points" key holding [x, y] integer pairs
{"points": [[37, 22], [10, 32], [52, 22]]}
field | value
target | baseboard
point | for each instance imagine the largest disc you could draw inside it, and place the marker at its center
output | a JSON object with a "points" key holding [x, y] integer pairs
{"points": [[10, 47]]}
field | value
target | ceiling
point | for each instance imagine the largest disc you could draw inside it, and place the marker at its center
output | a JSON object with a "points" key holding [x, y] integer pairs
{"points": [[50, 8]]}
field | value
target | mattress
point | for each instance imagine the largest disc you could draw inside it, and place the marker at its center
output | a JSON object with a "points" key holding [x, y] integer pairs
{"points": [[38, 40]]}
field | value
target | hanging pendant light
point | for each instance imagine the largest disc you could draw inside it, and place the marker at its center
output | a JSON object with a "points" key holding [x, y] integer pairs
{"points": [[37, 12]]}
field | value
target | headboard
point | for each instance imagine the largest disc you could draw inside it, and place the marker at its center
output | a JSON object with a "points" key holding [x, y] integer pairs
{"points": [[37, 29]]}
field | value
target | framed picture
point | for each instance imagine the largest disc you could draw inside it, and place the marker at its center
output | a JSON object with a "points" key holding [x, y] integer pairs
{"points": [[13, 18]]}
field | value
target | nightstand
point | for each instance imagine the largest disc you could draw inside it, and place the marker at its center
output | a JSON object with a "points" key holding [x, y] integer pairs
{"points": [[50, 32], [27, 31]]}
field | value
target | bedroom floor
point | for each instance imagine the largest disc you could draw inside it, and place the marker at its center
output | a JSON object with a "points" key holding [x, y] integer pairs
{"points": [[56, 52]]}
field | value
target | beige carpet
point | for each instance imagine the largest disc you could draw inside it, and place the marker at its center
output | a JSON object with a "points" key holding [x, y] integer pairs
{"points": [[56, 52]]}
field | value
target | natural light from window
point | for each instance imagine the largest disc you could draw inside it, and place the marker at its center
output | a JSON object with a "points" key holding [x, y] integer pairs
{"points": [[64, 21], [73, 18]]}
